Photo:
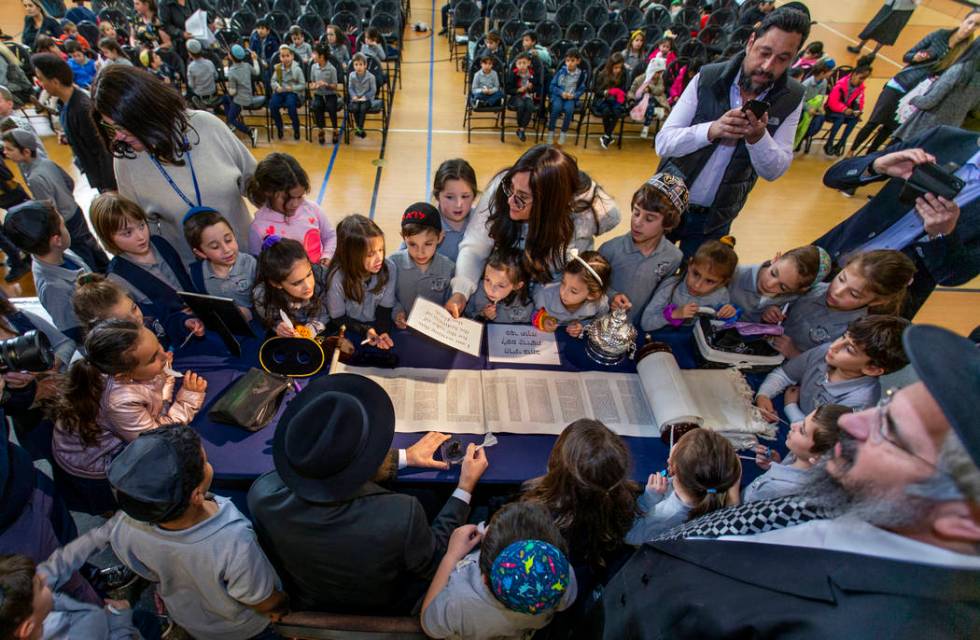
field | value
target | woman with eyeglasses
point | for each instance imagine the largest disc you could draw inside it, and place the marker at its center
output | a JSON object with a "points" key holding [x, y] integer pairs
{"points": [[168, 158], [526, 207]]}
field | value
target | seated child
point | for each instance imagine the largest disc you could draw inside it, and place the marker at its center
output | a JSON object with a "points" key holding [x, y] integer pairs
{"points": [[876, 279], [566, 89], [579, 297], [362, 91], [118, 390], [665, 49], [97, 298], [761, 290], [50, 182], [703, 475], [31, 608], [197, 548], [146, 265], [299, 45], [278, 188], [201, 76], [503, 298], [339, 46], [530, 46], [814, 97], [512, 586], [288, 87], [286, 282], [154, 63], [362, 283], [37, 229], [844, 371], [651, 95], [454, 189], [112, 53], [643, 257], [221, 270], [702, 283], [493, 45], [807, 441], [82, 67], [524, 90], [810, 56], [485, 90], [323, 85], [420, 270], [371, 46], [845, 104]]}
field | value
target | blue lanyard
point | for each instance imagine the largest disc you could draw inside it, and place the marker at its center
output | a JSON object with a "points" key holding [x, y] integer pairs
{"points": [[173, 185]]}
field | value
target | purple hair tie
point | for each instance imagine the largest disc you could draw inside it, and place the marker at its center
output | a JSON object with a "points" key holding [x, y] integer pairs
{"points": [[269, 241]]}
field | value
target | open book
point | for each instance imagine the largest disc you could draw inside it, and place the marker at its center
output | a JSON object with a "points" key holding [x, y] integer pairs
{"points": [[544, 402]]}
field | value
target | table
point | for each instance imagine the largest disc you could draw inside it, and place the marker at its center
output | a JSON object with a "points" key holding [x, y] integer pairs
{"points": [[239, 456]]}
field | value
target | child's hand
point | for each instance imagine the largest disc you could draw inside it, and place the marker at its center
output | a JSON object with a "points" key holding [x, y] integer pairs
{"points": [[246, 312], [549, 324], [686, 312], [474, 465], [574, 329], [764, 456], [773, 315], [194, 382], [490, 311], [785, 346], [382, 341], [657, 483], [117, 605], [400, 318], [726, 312], [462, 541], [195, 326], [621, 301], [283, 330], [767, 409], [792, 395]]}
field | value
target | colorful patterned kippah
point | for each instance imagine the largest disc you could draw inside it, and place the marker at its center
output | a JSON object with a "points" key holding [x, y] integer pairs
{"points": [[673, 187], [530, 576], [826, 264]]}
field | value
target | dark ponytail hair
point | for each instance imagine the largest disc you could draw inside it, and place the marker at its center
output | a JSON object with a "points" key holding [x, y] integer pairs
{"points": [[705, 463], [109, 351], [275, 262]]}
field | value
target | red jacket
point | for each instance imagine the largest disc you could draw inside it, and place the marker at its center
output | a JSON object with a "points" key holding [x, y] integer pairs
{"points": [[844, 96]]}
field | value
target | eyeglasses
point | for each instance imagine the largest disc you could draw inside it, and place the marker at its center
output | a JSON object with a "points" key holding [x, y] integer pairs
{"points": [[886, 427], [519, 200], [112, 129]]}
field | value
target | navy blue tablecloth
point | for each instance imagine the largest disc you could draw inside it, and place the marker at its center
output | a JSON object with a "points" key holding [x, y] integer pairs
{"points": [[239, 455]]}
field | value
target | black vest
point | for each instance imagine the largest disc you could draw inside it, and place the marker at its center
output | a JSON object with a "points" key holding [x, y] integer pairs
{"points": [[714, 99]]}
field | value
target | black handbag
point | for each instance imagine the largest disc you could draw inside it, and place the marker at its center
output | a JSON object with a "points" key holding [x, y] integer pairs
{"points": [[251, 401]]}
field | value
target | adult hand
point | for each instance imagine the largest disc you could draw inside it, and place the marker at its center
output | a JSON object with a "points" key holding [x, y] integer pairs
{"points": [[792, 395], [422, 453], [456, 304], [939, 215], [901, 163], [921, 56], [18, 379], [194, 382], [474, 464], [732, 124], [756, 127], [283, 330], [621, 301], [767, 409], [657, 483], [462, 541]]}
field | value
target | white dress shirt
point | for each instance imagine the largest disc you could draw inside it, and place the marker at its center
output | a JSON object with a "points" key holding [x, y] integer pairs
{"points": [[771, 155]]}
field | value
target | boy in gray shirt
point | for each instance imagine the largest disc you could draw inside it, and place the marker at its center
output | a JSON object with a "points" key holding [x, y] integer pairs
{"points": [[485, 89], [198, 549], [201, 76], [244, 67], [422, 270], [361, 91], [324, 85], [511, 587]]}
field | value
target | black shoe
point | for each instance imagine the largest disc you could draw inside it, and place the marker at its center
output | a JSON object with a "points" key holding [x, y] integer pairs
{"points": [[279, 134], [336, 137], [829, 149], [321, 137], [605, 141], [17, 270], [295, 135], [113, 579], [521, 135], [444, 31], [854, 48]]}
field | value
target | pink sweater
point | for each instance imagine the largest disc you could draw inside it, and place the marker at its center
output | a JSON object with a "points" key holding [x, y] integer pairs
{"points": [[308, 225], [844, 96]]}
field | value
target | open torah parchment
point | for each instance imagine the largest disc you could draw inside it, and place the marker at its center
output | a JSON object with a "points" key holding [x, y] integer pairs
{"points": [[524, 401]]}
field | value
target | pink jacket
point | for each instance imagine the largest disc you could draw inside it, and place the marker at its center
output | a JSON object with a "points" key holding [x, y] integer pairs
{"points": [[844, 96], [127, 409], [309, 226]]}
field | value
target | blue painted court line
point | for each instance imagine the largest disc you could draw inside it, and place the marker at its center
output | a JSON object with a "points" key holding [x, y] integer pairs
{"points": [[432, 67], [333, 158]]}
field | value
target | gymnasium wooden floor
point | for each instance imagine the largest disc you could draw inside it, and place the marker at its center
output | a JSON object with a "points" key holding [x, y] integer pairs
{"points": [[426, 129]]}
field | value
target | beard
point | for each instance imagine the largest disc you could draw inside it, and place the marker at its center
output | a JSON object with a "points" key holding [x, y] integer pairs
{"points": [[746, 83], [887, 509]]}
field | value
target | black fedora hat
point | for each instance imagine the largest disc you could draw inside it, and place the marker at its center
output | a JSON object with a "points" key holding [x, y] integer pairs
{"points": [[333, 436], [949, 366]]}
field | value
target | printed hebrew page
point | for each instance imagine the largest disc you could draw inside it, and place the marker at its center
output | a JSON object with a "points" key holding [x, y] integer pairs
{"points": [[521, 344], [432, 320]]}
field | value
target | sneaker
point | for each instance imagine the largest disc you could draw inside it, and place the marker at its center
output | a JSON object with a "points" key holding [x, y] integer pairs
{"points": [[562, 137], [295, 135], [521, 135], [115, 578], [854, 48], [550, 138], [848, 193], [360, 133], [254, 135], [444, 31], [321, 137], [644, 132], [828, 149], [17, 271], [604, 141]]}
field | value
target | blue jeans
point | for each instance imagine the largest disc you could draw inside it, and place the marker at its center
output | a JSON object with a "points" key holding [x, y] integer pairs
{"points": [[487, 100], [289, 100], [839, 119], [561, 105], [610, 111], [693, 230]]}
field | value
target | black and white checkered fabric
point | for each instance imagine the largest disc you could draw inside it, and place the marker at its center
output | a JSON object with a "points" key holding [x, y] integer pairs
{"points": [[750, 517]]}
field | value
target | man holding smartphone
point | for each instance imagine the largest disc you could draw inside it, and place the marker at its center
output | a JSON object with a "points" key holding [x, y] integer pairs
{"points": [[941, 235], [735, 122]]}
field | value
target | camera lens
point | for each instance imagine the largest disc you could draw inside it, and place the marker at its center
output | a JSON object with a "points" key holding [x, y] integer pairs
{"points": [[29, 352]]}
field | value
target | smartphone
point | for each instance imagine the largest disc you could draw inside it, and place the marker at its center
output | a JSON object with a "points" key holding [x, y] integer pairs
{"points": [[758, 107]]}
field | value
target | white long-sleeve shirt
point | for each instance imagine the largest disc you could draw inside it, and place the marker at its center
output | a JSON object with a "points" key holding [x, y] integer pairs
{"points": [[770, 156], [476, 244]]}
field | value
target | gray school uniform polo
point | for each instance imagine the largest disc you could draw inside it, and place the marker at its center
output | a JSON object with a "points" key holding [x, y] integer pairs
{"points": [[238, 284], [160, 270], [637, 275], [810, 372], [432, 284], [810, 322], [514, 312], [449, 246], [339, 306], [55, 287], [661, 511], [667, 294], [780, 480], [744, 292], [549, 297]]}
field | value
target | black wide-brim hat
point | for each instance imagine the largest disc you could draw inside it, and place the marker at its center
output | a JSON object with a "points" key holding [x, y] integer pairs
{"points": [[333, 437], [949, 366]]}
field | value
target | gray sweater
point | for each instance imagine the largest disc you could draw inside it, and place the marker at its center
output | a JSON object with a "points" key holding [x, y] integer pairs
{"points": [[363, 86], [327, 74], [240, 77], [483, 81], [48, 181], [374, 50], [290, 79], [947, 101], [200, 77]]}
